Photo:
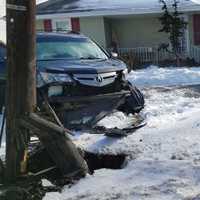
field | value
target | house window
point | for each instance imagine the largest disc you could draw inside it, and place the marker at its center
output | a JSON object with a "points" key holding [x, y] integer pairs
{"points": [[62, 25], [196, 29]]}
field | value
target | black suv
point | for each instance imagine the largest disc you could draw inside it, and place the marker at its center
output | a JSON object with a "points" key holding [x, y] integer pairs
{"points": [[81, 80]]}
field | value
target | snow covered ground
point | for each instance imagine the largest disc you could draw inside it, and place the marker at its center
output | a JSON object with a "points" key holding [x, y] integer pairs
{"points": [[164, 156], [154, 76]]}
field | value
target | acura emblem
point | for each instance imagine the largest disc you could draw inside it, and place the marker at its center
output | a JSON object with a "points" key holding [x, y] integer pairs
{"points": [[99, 79]]}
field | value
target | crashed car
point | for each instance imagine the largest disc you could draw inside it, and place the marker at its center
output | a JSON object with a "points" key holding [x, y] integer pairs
{"points": [[81, 81]]}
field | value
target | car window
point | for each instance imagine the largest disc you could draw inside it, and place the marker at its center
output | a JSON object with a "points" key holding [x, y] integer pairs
{"points": [[85, 49]]}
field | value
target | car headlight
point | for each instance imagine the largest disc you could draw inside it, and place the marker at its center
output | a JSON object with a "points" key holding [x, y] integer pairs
{"points": [[44, 78], [55, 90]]}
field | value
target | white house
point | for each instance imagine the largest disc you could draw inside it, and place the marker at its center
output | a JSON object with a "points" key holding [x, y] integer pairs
{"points": [[133, 24]]}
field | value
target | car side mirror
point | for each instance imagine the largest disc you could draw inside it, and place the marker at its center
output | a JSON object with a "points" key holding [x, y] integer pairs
{"points": [[114, 54]]}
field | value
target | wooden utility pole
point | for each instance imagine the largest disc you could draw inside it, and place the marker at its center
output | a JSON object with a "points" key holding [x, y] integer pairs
{"points": [[21, 83]]}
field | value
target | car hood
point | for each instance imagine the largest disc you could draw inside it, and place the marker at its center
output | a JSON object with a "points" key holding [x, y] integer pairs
{"points": [[81, 66]]}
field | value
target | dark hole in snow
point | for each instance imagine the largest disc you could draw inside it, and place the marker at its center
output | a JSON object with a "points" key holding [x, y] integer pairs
{"points": [[100, 161], [39, 160]]}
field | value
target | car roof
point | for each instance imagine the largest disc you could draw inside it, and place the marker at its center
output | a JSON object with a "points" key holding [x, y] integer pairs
{"points": [[53, 36], [59, 36]]}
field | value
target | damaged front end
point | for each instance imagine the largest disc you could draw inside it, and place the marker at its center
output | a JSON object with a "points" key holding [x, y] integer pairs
{"points": [[82, 100]]}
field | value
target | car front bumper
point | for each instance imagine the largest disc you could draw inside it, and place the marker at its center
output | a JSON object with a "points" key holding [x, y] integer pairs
{"points": [[79, 111], [91, 98]]}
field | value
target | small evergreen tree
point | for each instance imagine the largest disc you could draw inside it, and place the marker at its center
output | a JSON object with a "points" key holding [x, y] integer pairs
{"points": [[174, 25]]}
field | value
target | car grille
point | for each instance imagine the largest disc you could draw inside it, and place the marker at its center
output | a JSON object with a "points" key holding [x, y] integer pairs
{"points": [[114, 84], [85, 85], [96, 80]]}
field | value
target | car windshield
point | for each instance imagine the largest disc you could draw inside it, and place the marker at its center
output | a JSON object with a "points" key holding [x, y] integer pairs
{"points": [[72, 49]]}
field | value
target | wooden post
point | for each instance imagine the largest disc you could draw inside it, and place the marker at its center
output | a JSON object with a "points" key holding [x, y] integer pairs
{"points": [[58, 145], [21, 89]]}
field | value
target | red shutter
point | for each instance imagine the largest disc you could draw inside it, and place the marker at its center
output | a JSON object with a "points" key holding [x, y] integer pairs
{"points": [[75, 24], [47, 25], [196, 28]]}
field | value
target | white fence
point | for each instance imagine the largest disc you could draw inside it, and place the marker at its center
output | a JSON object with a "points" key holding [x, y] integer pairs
{"points": [[195, 53], [152, 55], [144, 54]]}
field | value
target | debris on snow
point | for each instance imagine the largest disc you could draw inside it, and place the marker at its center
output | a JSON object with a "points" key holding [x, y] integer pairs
{"points": [[46, 183], [164, 156]]}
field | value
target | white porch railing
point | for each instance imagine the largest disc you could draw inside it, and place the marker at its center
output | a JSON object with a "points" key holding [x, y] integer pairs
{"points": [[195, 53], [141, 54], [151, 55], [144, 54]]}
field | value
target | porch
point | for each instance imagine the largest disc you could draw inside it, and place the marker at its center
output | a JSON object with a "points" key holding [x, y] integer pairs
{"points": [[142, 56], [137, 37]]}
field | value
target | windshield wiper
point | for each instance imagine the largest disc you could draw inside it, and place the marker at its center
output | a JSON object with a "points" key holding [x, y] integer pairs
{"points": [[52, 59], [89, 58]]}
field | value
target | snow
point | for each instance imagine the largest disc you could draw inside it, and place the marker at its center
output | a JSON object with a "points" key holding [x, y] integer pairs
{"points": [[196, 1], [163, 157], [163, 160], [146, 179], [41, 1], [154, 76], [118, 4], [119, 120], [112, 7], [166, 111], [46, 183]]}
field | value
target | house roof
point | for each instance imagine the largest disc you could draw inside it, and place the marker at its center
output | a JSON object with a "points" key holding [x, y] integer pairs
{"points": [[78, 8]]}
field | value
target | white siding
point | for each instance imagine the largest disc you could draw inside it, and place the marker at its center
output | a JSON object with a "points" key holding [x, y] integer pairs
{"points": [[94, 28], [2, 22]]}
